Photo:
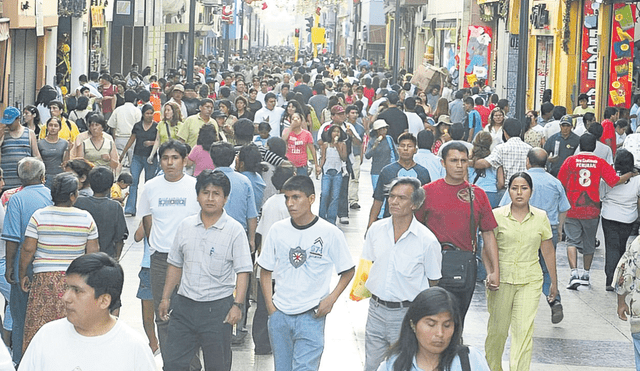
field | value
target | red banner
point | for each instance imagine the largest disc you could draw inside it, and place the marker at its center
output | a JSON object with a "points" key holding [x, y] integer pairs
{"points": [[478, 55], [589, 52], [621, 67]]}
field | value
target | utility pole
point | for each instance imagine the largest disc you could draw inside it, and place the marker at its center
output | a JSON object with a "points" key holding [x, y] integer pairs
{"points": [[226, 41], [191, 40], [241, 20], [356, 23], [396, 43], [335, 30], [523, 46]]}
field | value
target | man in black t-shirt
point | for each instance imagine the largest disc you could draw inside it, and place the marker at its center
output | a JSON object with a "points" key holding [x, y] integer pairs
{"points": [[394, 117]]}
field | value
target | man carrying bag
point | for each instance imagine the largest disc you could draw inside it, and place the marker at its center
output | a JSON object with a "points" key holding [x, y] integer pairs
{"points": [[453, 210]]}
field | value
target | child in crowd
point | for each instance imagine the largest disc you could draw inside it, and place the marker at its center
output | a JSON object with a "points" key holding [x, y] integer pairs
{"points": [[124, 181], [263, 134]]}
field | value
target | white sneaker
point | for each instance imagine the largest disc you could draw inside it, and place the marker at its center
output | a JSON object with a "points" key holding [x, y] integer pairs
{"points": [[344, 220]]}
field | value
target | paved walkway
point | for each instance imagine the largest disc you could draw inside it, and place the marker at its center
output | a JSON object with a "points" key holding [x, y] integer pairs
{"points": [[590, 338]]}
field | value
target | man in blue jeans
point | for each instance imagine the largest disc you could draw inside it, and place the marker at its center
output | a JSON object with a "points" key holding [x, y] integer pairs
{"points": [[550, 196], [20, 208], [301, 251]]}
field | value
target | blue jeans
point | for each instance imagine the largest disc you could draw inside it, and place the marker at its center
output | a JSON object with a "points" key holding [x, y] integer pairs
{"points": [[546, 284], [297, 340], [330, 194], [138, 163], [636, 348], [302, 170], [5, 289]]}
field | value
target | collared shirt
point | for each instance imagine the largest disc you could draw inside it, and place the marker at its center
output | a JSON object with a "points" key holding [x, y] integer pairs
{"points": [[456, 109], [402, 269], [241, 203], [210, 257], [476, 359], [627, 277], [191, 127], [548, 194], [518, 244], [512, 156], [123, 118], [430, 162]]}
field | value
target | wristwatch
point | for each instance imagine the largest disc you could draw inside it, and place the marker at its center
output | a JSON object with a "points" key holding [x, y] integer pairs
{"points": [[239, 305]]}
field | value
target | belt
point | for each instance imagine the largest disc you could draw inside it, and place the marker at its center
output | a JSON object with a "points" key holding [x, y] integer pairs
{"points": [[391, 304]]}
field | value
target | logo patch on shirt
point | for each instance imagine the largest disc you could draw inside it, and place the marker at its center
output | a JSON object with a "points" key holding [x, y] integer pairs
{"points": [[297, 257], [316, 249], [173, 201], [463, 195]]}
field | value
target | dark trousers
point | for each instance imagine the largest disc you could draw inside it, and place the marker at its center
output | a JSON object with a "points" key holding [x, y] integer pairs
{"points": [[343, 199], [158, 276], [615, 241], [196, 324], [18, 302], [463, 295], [259, 329]]}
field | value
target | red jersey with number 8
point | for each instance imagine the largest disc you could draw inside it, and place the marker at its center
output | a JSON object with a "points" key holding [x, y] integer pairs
{"points": [[580, 175]]}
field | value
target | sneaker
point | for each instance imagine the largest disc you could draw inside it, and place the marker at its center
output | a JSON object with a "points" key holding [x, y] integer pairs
{"points": [[355, 206], [574, 283], [584, 280], [344, 220], [556, 312], [609, 288]]}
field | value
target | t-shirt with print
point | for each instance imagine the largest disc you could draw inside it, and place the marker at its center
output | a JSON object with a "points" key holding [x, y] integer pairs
{"points": [[297, 147], [580, 175], [446, 211], [302, 259], [168, 203], [392, 171]]}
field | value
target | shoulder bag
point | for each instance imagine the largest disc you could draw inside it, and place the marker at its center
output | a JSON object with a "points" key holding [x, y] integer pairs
{"points": [[459, 266]]}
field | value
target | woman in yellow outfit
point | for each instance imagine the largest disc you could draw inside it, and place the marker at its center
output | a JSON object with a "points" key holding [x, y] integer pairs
{"points": [[68, 129], [522, 230]]}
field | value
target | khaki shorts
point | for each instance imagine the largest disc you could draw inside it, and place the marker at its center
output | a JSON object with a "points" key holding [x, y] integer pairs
{"points": [[581, 233]]}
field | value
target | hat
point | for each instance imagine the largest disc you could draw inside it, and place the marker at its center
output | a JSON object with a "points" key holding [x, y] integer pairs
{"points": [[218, 113], [444, 119], [337, 109], [210, 79], [10, 115], [566, 120], [154, 85], [379, 124], [178, 87]]}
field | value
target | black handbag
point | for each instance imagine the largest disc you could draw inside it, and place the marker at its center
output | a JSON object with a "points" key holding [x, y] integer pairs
{"points": [[459, 266]]}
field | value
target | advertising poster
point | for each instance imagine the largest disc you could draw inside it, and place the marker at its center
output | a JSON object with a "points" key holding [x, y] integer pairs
{"points": [[589, 57], [478, 54], [621, 66]]}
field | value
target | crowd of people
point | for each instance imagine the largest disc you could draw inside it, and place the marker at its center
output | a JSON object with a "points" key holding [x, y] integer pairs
{"points": [[229, 160]]}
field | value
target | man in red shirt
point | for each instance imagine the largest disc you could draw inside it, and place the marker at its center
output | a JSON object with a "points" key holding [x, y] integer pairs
{"points": [[446, 211], [482, 110], [611, 115], [580, 175], [108, 91]]}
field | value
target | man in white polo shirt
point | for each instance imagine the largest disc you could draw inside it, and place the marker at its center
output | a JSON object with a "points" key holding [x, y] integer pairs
{"points": [[301, 251], [164, 203]]}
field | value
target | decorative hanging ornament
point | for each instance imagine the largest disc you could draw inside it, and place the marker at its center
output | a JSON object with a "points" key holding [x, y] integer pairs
{"points": [[227, 14], [264, 5]]}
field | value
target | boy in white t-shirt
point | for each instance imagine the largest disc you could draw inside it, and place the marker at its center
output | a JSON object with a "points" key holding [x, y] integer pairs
{"points": [[301, 251]]}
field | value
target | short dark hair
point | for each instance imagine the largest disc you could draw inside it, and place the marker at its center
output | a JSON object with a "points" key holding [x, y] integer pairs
{"points": [[125, 178], [502, 103], [479, 101], [280, 175], [608, 112], [583, 96], [469, 100], [588, 142], [454, 146], [214, 178], [456, 131], [558, 112], [425, 139], [278, 146], [130, 96], [100, 179], [268, 96], [546, 108], [56, 103], [204, 101], [537, 158], [596, 129], [300, 183], [103, 273], [243, 129], [64, 185], [459, 94], [408, 136], [144, 95], [79, 166], [512, 127], [206, 136], [251, 157], [588, 116], [621, 123], [410, 104], [176, 145], [222, 154], [319, 88]]}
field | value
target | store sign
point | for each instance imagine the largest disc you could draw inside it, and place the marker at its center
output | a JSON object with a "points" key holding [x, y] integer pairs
{"points": [[621, 57], [588, 70], [478, 54], [97, 16]]}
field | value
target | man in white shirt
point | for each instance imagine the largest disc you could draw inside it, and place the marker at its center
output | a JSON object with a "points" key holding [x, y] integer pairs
{"points": [[122, 120], [271, 114], [164, 203], [406, 260], [89, 338]]}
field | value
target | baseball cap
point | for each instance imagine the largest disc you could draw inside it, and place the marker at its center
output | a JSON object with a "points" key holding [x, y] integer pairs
{"points": [[178, 87], [10, 115], [566, 120], [379, 124], [337, 109]]}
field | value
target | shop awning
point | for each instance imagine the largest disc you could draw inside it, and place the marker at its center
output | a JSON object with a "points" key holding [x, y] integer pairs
{"points": [[173, 6]]}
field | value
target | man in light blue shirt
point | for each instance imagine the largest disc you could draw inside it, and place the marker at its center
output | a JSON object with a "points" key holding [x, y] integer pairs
{"points": [[456, 108], [426, 158], [550, 196]]}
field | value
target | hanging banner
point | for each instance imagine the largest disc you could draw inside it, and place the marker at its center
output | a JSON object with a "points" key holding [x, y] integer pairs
{"points": [[478, 54], [589, 52], [621, 65], [97, 16]]}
